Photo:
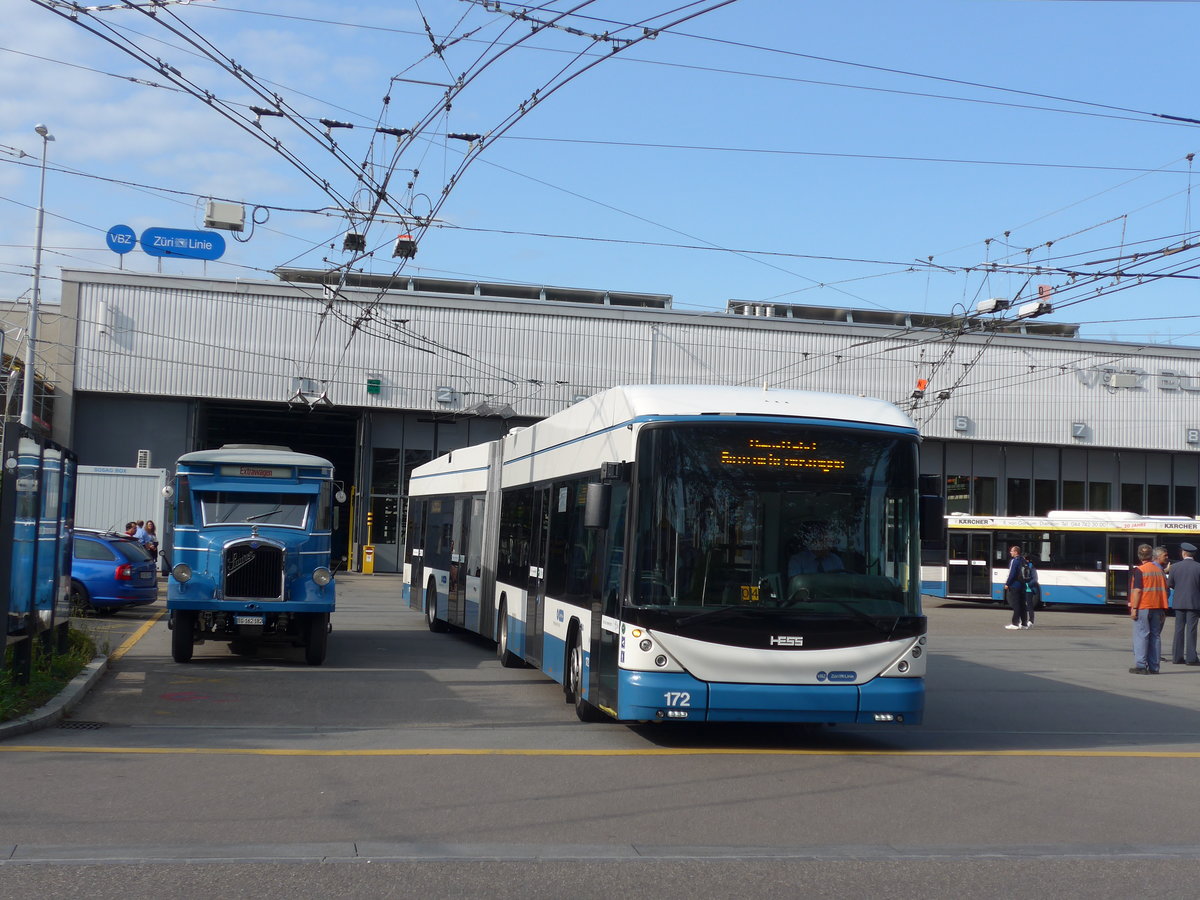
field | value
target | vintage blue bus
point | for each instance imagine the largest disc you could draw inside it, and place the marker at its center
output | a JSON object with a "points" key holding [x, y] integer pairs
{"points": [[689, 554], [252, 546]]}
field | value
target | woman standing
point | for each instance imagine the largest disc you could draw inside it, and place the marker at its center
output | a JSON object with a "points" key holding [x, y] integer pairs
{"points": [[150, 542]]}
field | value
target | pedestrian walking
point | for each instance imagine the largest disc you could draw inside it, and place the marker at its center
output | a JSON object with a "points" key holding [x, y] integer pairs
{"points": [[1184, 582], [1014, 590], [1148, 595]]}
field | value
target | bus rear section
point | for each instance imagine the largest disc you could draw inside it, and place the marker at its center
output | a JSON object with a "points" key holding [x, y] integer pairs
{"points": [[252, 551]]}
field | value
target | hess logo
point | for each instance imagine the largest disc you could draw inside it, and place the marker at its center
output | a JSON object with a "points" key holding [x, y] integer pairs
{"points": [[786, 640]]}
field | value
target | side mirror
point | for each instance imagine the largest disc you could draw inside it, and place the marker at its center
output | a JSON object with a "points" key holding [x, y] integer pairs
{"points": [[932, 516], [168, 491], [340, 496], [595, 510]]}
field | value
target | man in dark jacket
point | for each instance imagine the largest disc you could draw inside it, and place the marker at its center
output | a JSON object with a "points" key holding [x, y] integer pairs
{"points": [[1184, 581], [1014, 590]]}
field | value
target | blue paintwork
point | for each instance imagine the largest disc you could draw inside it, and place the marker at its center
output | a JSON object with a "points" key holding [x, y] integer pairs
{"points": [[904, 696], [642, 695], [98, 576]]}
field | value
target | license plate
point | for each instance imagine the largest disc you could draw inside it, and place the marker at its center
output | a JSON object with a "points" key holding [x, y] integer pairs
{"points": [[247, 620], [146, 576]]}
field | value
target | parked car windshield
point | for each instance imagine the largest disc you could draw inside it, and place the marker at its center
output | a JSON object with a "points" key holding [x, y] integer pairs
{"points": [[229, 508]]}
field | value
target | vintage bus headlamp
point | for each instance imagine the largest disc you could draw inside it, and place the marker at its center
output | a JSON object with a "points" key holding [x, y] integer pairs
{"points": [[637, 632], [322, 576], [917, 651], [903, 666], [182, 573], [646, 644], [660, 660]]}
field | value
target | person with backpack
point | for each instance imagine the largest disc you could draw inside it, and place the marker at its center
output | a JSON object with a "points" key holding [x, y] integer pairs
{"points": [[1015, 592], [1033, 588]]}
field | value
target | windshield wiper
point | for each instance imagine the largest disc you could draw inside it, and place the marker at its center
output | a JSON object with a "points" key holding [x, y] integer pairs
{"points": [[271, 512]]}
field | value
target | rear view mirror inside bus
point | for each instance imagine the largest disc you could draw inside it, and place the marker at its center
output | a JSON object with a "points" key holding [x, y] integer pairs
{"points": [[595, 512]]}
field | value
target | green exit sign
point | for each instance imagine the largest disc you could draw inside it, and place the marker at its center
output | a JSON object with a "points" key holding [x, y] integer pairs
{"points": [[374, 385]]}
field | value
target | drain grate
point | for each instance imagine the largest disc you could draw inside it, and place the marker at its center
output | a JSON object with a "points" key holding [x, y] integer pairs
{"points": [[81, 726]]}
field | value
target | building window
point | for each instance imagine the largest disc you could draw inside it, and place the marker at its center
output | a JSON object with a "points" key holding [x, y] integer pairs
{"points": [[1045, 496], [1072, 494], [1133, 498], [385, 471], [985, 496], [1185, 500], [958, 494], [1018, 497], [1158, 500], [1099, 495]]}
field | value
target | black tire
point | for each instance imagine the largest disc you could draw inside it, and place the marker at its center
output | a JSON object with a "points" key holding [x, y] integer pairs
{"points": [[317, 640], [584, 710], [182, 642], [81, 602], [435, 624], [507, 658]]}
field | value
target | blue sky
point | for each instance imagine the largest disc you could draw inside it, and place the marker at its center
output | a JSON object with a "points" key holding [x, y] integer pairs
{"points": [[800, 152]]}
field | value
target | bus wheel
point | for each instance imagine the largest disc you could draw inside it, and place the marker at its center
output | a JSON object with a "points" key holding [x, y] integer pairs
{"points": [[508, 659], [584, 710], [317, 639], [181, 635], [435, 624]]}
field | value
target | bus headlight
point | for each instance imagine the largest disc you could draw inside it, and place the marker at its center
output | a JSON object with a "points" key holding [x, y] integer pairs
{"points": [[322, 576], [182, 573]]}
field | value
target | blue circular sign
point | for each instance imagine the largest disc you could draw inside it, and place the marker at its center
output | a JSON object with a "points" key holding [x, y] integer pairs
{"points": [[121, 239]]}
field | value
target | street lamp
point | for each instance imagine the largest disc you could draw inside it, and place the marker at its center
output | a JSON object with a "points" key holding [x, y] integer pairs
{"points": [[31, 336]]}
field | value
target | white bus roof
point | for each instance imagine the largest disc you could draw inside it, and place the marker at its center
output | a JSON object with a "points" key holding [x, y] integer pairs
{"points": [[704, 399], [255, 455]]}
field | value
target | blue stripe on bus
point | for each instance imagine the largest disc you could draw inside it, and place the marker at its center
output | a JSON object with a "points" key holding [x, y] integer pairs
{"points": [[412, 478], [719, 417]]}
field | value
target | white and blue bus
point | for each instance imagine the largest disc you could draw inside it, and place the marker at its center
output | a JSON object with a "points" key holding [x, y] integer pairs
{"points": [[688, 553], [252, 547], [1081, 557]]}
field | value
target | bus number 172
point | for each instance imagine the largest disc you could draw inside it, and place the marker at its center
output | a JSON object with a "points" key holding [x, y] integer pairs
{"points": [[677, 698]]}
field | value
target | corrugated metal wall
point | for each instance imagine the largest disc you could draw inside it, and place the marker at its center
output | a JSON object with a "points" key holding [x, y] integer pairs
{"points": [[260, 341]]}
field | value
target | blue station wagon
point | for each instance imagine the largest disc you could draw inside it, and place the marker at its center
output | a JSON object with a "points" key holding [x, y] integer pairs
{"points": [[110, 571]]}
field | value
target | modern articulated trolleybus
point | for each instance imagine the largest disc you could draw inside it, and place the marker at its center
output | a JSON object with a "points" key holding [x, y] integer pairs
{"points": [[688, 553]]}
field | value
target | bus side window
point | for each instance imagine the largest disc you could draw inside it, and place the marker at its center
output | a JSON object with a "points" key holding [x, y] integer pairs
{"points": [[183, 502]]}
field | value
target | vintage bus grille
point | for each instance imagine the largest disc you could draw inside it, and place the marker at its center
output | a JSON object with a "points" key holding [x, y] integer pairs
{"points": [[253, 572]]}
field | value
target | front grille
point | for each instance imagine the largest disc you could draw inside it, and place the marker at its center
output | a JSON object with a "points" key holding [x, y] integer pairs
{"points": [[253, 572]]}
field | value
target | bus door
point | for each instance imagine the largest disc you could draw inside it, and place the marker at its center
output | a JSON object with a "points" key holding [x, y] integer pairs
{"points": [[969, 565], [415, 544], [456, 586], [535, 591], [1120, 556]]}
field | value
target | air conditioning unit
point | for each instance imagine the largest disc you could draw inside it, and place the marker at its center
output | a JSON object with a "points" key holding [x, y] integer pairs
{"points": [[143, 461]]}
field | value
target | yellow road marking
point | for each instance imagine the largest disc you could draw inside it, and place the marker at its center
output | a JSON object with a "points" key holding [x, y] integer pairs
{"points": [[127, 645], [656, 751]]}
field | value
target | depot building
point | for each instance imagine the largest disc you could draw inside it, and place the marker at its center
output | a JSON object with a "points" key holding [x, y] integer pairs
{"points": [[381, 373]]}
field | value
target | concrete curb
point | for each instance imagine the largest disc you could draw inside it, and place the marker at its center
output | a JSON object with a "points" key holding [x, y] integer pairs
{"points": [[68, 698]]}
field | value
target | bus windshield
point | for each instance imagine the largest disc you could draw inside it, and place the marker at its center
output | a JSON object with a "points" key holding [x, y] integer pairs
{"points": [[814, 519], [238, 508]]}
